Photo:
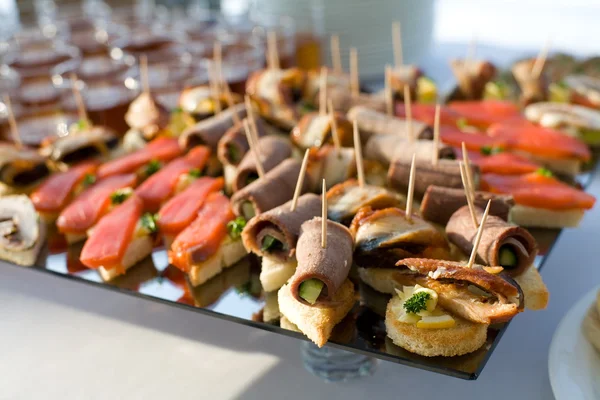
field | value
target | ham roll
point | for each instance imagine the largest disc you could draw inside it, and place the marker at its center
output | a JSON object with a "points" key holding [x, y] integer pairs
{"points": [[533, 88], [274, 233], [314, 130], [329, 265], [272, 190], [209, 131], [446, 173], [472, 76], [503, 244], [273, 151], [233, 146], [372, 122], [388, 148], [439, 203]]}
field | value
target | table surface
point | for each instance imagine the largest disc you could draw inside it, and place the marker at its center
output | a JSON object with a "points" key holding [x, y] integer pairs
{"points": [[60, 339]]}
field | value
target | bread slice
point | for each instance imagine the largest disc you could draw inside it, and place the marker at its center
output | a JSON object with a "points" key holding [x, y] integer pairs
{"points": [[591, 326], [274, 273], [229, 253], [317, 322], [138, 249], [28, 257], [564, 166], [271, 311], [384, 280], [534, 289], [286, 324], [211, 291], [73, 238], [544, 218], [465, 337]]}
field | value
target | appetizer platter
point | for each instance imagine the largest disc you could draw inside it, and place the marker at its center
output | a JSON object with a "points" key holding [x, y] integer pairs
{"points": [[394, 224]]}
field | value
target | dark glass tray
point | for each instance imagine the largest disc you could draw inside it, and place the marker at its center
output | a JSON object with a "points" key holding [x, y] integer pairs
{"points": [[236, 295]]}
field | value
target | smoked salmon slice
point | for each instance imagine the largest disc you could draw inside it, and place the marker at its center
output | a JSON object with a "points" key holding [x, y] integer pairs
{"points": [[202, 238], [161, 149], [111, 236], [473, 141], [506, 164], [536, 190], [181, 210], [56, 191], [92, 204], [540, 141], [160, 186], [426, 114], [485, 113]]}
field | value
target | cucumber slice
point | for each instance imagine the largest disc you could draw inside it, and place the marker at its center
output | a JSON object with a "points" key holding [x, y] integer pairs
{"points": [[270, 244], [310, 290], [508, 257], [248, 210], [233, 154]]}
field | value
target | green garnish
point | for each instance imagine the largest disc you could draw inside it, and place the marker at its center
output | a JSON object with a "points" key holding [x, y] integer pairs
{"points": [[417, 302], [306, 108], [462, 123], [195, 173], [82, 125], [235, 227], [177, 110], [310, 290], [119, 196], [89, 180], [544, 172], [233, 153], [251, 178], [148, 221], [152, 167], [490, 150], [269, 244], [507, 257]]}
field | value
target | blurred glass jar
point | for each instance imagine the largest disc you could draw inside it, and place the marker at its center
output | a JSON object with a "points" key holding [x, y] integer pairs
{"points": [[94, 70], [35, 129], [39, 96], [9, 86], [155, 43], [284, 28]]}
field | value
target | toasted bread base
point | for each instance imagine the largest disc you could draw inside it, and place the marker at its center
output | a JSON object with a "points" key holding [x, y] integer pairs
{"points": [[591, 326], [317, 322], [544, 218], [229, 253], [535, 292], [569, 167], [271, 311], [465, 337], [73, 238], [286, 324], [137, 250], [384, 280], [208, 293], [274, 274], [28, 257]]}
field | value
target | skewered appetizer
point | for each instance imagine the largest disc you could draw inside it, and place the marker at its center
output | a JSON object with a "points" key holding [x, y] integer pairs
{"points": [[21, 169], [22, 234]]}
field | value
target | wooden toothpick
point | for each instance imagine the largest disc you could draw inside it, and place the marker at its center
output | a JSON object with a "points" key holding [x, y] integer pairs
{"points": [[334, 131], [540, 61], [478, 236], [81, 111], [254, 149], [468, 174], [468, 193], [272, 51], [354, 81], [144, 74], [360, 169], [436, 135], [389, 96], [230, 102], [12, 121], [323, 92], [408, 112], [218, 60], [300, 181], [397, 43], [411, 189], [214, 87], [336, 56], [250, 113], [324, 216]]}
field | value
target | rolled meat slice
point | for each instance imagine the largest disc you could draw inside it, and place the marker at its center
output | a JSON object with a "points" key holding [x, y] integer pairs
{"points": [[533, 88], [372, 122], [97, 141], [273, 150], [343, 100], [20, 168], [329, 265], [405, 75], [446, 173], [388, 148], [503, 244], [275, 188], [274, 233], [345, 199], [332, 165], [585, 90], [147, 115], [234, 144], [472, 76], [209, 131], [439, 203], [314, 130]]}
